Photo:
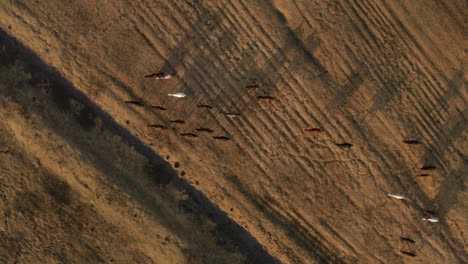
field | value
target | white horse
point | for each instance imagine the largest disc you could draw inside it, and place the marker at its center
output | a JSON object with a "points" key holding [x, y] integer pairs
{"points": [[431, 219], [397, 196], [166, 76], [178, 95]]}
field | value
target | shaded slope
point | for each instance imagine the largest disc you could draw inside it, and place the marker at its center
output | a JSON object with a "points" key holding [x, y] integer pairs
{"points": [[81, 165]]}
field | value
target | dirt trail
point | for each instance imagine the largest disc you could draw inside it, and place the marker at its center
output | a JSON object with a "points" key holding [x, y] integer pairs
{"points": [[369, 74]]}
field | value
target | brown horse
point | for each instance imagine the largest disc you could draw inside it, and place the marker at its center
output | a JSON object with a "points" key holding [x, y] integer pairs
{"points": [[265, 98]]}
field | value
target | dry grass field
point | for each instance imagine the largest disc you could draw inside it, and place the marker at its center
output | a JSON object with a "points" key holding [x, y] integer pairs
{"points": [[299, 118]]}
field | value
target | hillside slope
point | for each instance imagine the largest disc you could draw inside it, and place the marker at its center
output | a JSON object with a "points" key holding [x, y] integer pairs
{"points": [[369, 74]]}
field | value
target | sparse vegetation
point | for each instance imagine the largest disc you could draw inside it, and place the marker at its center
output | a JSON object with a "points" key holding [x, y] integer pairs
{"points": [[316, 109], [47, 202]]}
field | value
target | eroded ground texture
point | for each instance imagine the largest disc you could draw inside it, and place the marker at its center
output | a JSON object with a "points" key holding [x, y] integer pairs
{"points": [[85, 179]]}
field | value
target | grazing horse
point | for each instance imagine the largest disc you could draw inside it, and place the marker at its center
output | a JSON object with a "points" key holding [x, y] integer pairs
{"points": [[232, 114], [159, 108], [314, 130], [177, 121], [431, 219], [408, 253], [159, 76], [411, 142], [158, 127], [408, 240], [222, 138], [204, 106], [204, 130], [135, 103], [190, 135], [344, 145], [397, 196], [265, 98], [178, 95], [429, 167]]}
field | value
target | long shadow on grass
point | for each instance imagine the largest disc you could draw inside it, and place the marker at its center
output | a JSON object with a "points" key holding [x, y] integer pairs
{"points": [[62, 91]]}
